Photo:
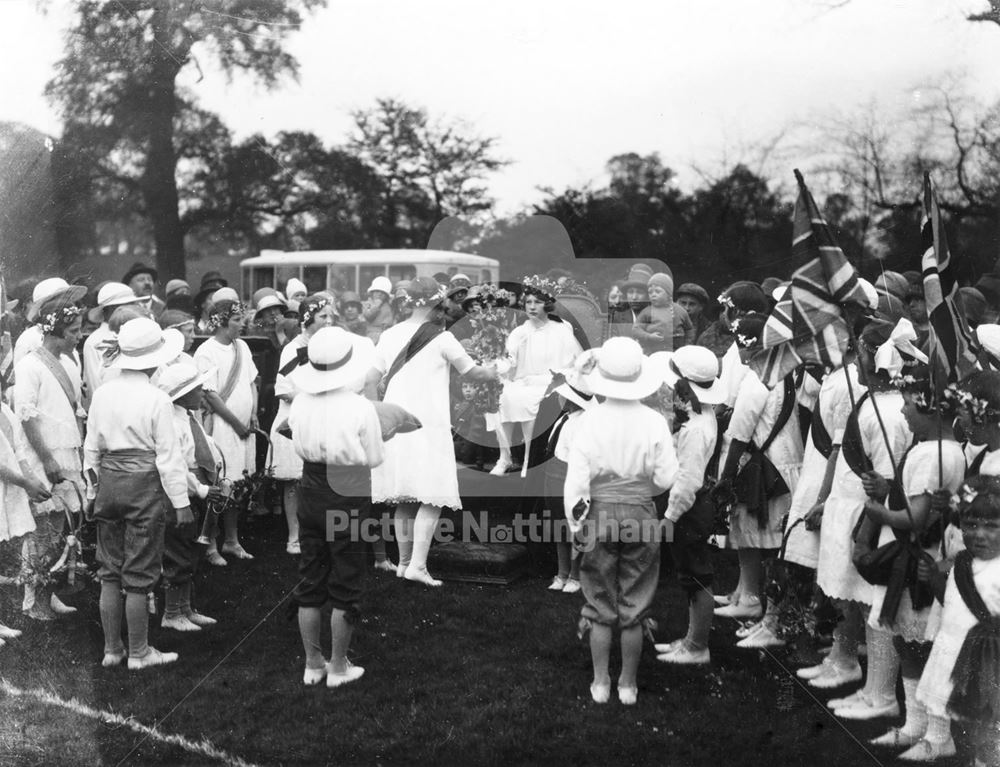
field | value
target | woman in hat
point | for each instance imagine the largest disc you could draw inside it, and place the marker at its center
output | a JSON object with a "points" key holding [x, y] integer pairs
{"points": [[316, 312], [413, 361], [134, 458], [336, 433], [692, 374], [538, 346], [622, 455], [109, 298], [47, 400], [231, 394]]}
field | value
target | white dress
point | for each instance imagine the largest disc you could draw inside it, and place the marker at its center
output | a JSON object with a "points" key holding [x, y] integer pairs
{"points": [[536, 352], [238, 453], [754, 415], [834, 407], [920, 475], [835, 572], [286, 462], [935, 685], [15, 510], [38, 395], [420, 465]]}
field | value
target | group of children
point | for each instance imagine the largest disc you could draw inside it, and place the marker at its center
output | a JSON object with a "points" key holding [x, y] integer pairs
{"points": [[856, 475]]}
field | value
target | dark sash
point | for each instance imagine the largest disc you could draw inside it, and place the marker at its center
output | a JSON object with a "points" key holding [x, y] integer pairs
{"points": [[852, 447], [976, 694], [820, 436], [301, 358], [424, 334], [977, 463], [55, 367]]}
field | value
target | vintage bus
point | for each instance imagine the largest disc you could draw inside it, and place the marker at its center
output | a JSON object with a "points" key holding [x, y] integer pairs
{"points": [[354, 270]]}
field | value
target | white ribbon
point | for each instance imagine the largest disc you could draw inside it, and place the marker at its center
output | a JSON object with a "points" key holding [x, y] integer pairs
{"points": [[889, 356]]}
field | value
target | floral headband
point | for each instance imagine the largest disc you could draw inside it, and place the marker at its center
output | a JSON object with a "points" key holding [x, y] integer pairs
{"points": [[427, 300], [309, 310], [542, 286], [217, 319], [61, 318], [726, 300], [979, 409]]}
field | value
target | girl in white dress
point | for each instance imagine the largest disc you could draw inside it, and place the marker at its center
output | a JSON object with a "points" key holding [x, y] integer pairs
{"points": [[934, 466], [419, 475], [865, 448], [315, 312], [769, 420], [231, 393], [536, 348]]}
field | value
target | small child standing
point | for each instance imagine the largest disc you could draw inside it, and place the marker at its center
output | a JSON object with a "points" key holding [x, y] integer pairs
{"points": [[575, 401], [664, 325], [960, 679]]}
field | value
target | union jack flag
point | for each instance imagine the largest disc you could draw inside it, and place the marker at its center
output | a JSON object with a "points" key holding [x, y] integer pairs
{"points": [[808, 325], [953, 349]]}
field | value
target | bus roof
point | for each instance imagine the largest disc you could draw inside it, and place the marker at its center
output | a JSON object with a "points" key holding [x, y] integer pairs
{"points": [[387, 256]]}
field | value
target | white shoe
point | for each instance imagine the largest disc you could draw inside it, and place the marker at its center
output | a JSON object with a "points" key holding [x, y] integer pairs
{"points": [[200, 620], [748, 628], [683, 656], [558, 584], [59, 608], [313, 676], [628, 695], [761, 639], [178, 623], [572, 586], [747, 608], [837, 676], [722, 599], [867, 709], [601, 693], [669, 646], [293, 547], [6, 632], [153, 658], [811, 672], [501, 467], [352, 674], [895, 738], [927, 751]]}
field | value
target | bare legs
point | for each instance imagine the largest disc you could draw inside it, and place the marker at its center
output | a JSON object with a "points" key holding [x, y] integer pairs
{"points": [[415, 526], [291, 503]]}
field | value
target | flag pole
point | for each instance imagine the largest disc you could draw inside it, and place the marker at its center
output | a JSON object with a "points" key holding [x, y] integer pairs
{"points": [[863, 375]]}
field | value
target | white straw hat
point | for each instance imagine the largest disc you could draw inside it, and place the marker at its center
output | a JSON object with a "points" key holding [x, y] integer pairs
{"points": [[112, 294], [621, 371], [696, 364], [989, 338], [177, 380], [295, 286], [51, 287], [142, 345], [383, 284], [337, 359]]}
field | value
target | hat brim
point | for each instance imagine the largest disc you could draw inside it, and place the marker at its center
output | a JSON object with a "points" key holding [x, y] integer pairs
{"points": [[190, 386], [312, 381], [76, 294], [567, 392], [144, 270], [713, 394], [647, 382], [268, 301], [173, 344]]}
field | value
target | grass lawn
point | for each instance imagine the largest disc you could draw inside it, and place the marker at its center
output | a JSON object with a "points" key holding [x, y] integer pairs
{"points": [[461, 675]]}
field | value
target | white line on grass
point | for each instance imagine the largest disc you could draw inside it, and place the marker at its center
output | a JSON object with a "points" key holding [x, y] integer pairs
{"points": [[203, 747]]}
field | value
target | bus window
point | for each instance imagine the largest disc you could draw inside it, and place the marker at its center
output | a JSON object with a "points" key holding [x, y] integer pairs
{"points": [[399, 272], [315, 278], [261, 277], [283, 275], [369, 273], [342, 278], [485, 276]]}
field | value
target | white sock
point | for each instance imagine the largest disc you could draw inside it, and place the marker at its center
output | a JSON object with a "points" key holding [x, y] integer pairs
{"points": [[938, 729], [916, 712], [883, 666]]}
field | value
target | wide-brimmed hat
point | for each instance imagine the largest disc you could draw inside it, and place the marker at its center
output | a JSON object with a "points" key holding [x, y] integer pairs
{"points": [[988, 336], [894, 284], [140, 268], [51, 287], [177, 380], [142, 345], [225, 294], [265, 298], [383, 284], [569, 384], [112, 294], [621, 371], [698, 366], [337, 359], [210, 282], [459, 281]]}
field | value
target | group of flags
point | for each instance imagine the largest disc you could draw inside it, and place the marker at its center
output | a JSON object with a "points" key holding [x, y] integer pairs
{"points": [[808, 324]]}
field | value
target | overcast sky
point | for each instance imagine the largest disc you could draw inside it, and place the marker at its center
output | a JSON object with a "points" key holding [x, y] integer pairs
{"points": [[567, 85]]}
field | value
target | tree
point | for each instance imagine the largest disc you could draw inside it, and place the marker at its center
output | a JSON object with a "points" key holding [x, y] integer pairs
{"points": [[117, 88], [427, 170]]}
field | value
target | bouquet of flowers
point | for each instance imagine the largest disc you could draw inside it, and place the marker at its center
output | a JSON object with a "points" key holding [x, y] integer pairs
{"points": [[489, 342]]}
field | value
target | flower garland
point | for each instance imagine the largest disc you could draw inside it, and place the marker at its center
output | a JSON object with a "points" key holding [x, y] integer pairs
{"points": [[726, 301], [310, 309], [217, 319], [405, 299], [979, 409], [571, 287], [59, 319], [543, 286]]}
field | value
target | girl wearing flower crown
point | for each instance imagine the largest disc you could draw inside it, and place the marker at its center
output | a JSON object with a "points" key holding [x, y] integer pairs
{"points": [[959, 681], [979, 415], [536, 347], [931, 472]]}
